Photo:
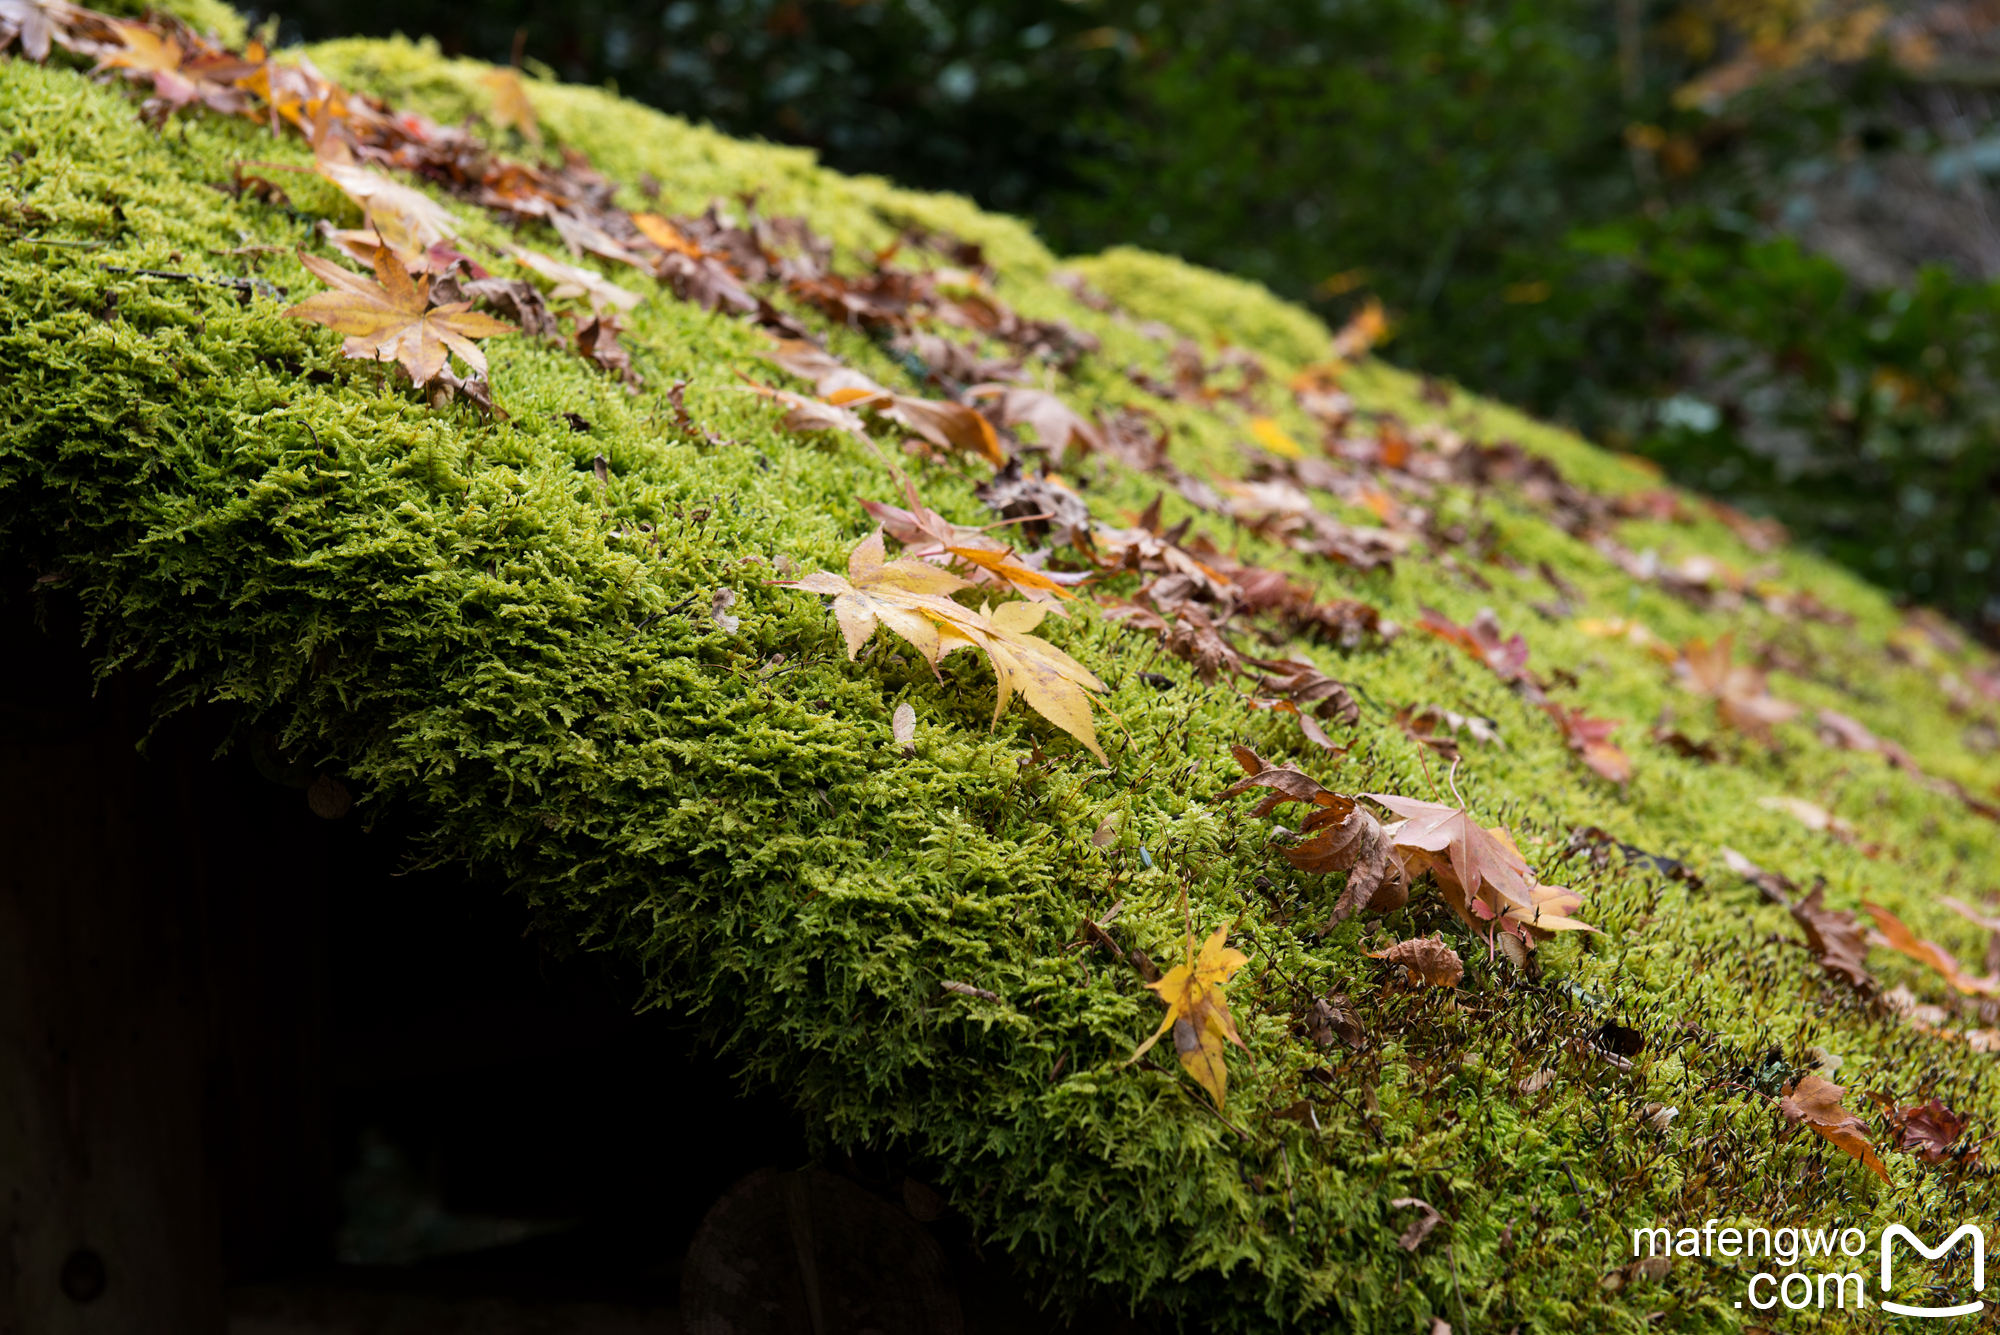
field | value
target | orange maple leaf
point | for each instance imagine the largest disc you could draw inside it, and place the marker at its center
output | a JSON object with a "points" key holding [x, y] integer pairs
{"points": [[390, 318]]}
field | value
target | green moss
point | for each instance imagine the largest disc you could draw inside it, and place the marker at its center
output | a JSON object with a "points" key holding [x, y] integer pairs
{"points": [[453, 614], [1206, 304]]}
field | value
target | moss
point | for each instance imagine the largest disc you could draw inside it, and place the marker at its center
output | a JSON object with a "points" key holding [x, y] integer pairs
{"points": [[454, 615], [1208, 305]]}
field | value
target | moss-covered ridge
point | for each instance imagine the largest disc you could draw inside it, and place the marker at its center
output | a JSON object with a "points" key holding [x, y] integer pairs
{"points": [[458, 619]]}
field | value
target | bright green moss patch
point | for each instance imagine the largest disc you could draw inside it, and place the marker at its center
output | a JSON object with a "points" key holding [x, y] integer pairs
{"points": [[459, 618]]}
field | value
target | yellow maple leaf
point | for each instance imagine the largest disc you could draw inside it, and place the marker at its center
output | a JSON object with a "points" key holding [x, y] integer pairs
{"points": [[1030, 583], [390, 318], [1198, 1012], [511, 107], [1275, 438], [407, 220], [912, 598]]}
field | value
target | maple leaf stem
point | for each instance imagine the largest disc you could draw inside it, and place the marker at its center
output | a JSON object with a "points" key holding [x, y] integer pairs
{"points": [[1452, 780]]}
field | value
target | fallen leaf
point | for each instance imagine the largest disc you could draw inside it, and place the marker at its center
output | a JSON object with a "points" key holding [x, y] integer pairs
{"points": [[1742, 699], [1331, 1019], [1479, 861], [1896, 935], [1198, 1012], [719, 604], [903, 724], [1776, 887], [1340, 836], [912, 599], [1816, 1102], [1835, 938], [1508, 659], [1590, 738], [667, 237], [1057, 425], [390, 318], [1005, 566], [597, 341], [573, 281], [1413, 1236], [511, 108], [1811, 815], [1929, 1129], [1274, 438], [1429, 961], [1537, 1082], [36, 23], [409, 221]]}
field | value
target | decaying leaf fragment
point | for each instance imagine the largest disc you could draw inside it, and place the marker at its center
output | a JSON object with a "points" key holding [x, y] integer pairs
{"points": [[1815, 1101], [1198, 1012], [1413, 1236], [390, 318], [1429, 961], [913, 599]]}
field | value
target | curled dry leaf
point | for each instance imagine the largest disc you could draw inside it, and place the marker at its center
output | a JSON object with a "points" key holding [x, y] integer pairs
{"points": [[1537, 1082], [1057, 426], [1811, 815], [1482, 875], [573, 281], [1274, 438], [1198, 1012], [1508, 659], [1339, 836], [1413, 1236], [1775, 887], [511, 109], [390, 318], [1815, 1101], [1332, 1019], [718, 610], [1429, 961]]}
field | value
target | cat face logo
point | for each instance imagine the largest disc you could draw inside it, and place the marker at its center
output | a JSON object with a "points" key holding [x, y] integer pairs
{"points": [[1894, 1231]]}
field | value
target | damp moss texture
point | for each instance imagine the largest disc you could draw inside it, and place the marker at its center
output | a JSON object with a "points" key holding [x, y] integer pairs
{"points": [[457, 618]]}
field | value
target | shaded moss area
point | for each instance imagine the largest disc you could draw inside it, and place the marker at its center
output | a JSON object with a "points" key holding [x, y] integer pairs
{"points": [[458, 617]]}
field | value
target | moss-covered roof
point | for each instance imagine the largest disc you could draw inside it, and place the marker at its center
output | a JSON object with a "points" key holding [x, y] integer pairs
{"points": [[455, 616]]}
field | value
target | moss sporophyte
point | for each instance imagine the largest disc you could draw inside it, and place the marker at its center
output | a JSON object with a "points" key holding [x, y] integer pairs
{"points": [[493, 606]]}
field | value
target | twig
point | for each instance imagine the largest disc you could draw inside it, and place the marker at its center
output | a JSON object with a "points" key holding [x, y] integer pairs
{"points": [[243, 285]]}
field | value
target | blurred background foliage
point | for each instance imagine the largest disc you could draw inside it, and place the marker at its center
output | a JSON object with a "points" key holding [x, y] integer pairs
{"points": [[1754, 240]]}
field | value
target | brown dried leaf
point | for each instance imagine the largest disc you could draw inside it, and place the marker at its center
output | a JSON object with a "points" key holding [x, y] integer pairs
{"points": [[1928, 1130], [1835, 938], [1413, 1236], [1428, 960], [1815, 1101], [1590, 738]]}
